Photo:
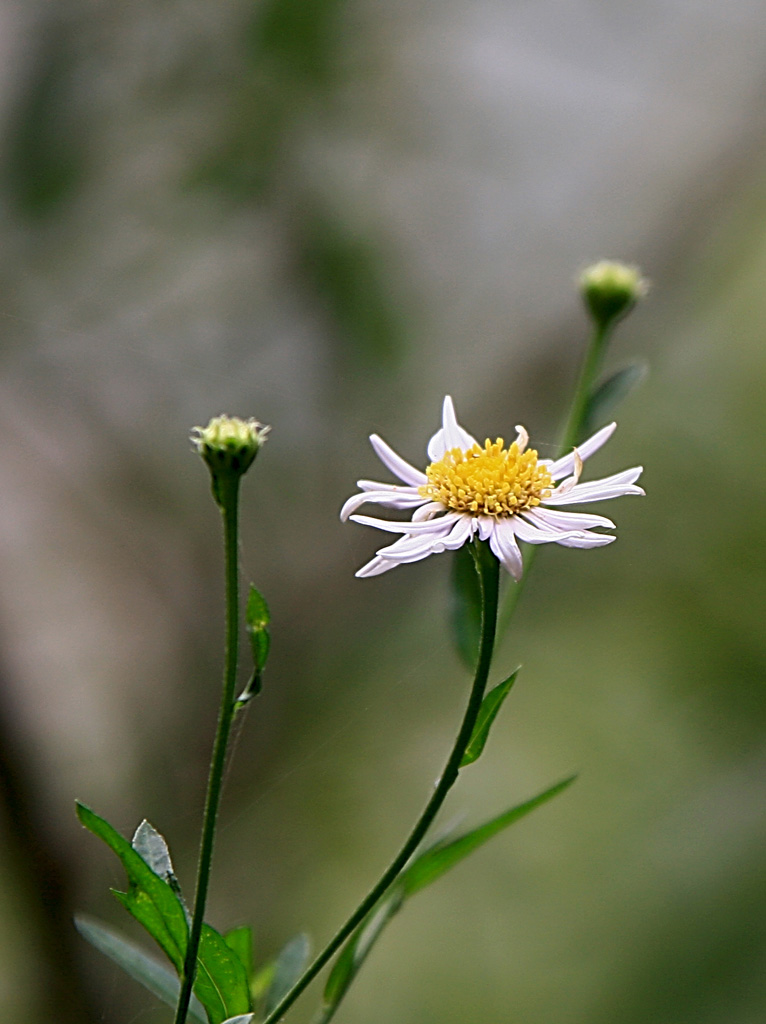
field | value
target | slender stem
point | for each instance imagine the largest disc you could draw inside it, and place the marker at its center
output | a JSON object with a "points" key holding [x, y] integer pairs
{"points": [[572, 435], [487, 567], [229, 502]]}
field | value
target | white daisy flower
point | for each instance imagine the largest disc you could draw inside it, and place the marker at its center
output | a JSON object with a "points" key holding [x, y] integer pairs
{"points": [[498, 494]]}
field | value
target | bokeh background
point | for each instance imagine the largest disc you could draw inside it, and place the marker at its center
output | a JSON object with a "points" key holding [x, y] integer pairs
{"points": [[327, 214]]}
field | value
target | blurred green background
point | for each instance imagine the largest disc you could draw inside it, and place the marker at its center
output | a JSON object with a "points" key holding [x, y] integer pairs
{"points": [[327, 214]]}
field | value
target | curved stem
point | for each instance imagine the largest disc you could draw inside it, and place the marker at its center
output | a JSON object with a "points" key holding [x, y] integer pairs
{"points": [[229, 503], [487, 567]]}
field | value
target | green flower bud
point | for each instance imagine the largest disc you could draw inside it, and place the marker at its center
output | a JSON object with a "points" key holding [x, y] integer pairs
{"points": [[228, 445], [611, 289]]}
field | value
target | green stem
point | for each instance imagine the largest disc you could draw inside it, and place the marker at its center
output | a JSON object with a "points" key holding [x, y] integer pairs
{"points": [[228, 496], [487, 567], [572, 435]]}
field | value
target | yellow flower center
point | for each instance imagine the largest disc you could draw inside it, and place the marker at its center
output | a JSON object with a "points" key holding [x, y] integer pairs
{"points": [[488, 481]]}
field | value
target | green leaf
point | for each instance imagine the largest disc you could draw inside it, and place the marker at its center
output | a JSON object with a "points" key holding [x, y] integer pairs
{"points": [[149, 898], [425, 869], [487, 714], [240, 940], [257, 619], [288, 968], [465, 606], [221, 983], [355, 952], [611, 392], [440, 858], [149, 972]]}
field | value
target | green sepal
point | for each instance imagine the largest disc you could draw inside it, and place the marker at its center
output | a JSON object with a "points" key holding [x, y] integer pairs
{"points": [[487, 714], [611, 392], [465, 606], [288, 967], [142, 967], [257, 619], [424, 869]]}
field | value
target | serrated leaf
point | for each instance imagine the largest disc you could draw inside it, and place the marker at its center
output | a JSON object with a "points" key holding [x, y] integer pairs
{"points": [[221, 982], [150, 973], [240, 940], [439, 859], [288, 968], [465, 606], [611, 392], [149, 898], [487, 713]]}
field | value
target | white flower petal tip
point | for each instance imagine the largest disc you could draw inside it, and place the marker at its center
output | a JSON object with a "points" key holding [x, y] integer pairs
{"points": [[500, 495]]}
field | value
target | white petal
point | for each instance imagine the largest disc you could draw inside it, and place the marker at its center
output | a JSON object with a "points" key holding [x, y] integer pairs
{"points": [[565, 520], [376, 485], [459, 533], [599, 490], [427, 511], [375, 567], [396, 463], [503, 543], [411, 549], [537, 534], [585, 540], [484, 526], [436, 526], [522, 438], [390, 498], [450, 436], [564, 466]]}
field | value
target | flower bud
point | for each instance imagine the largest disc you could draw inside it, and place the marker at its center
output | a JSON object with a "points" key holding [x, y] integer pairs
{"points": [[611, 289], [228, 445]]}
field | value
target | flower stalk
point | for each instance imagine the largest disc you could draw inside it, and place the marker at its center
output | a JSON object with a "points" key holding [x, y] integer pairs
{"points": [[228, 499], [488, 569]]}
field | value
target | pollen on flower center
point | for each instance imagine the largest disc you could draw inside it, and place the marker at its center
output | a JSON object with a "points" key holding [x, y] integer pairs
{"points": [[488, 481]]}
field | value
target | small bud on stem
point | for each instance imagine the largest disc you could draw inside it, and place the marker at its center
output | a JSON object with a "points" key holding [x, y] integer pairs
{"points": [[228, 445], [610, 290]]}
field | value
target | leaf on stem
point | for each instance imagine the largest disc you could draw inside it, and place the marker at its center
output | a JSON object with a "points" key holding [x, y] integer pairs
{"points": [[221, 983], [149, 972], [288, 967], [436, 861], [611, 392], [487, 714], [424, 869], [465, 606], [257, 619]]}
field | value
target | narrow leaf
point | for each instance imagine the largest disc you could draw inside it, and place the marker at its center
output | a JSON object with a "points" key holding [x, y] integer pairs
{"points": [[465, 606], [149, 972], [288, 968], [439, 859], [257, 619], [149, 898], [487, 714], [355, 952], [240, 940], [612, 391], [153, 849], [243, 1018]]}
